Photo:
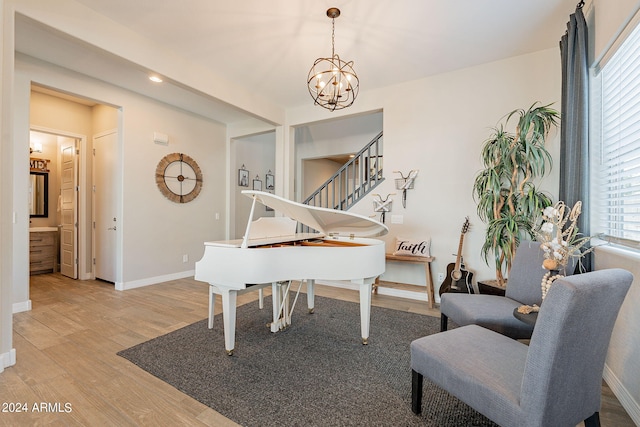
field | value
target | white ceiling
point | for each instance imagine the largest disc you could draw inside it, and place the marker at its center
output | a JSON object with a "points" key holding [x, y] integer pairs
{"points": [[268, 46]]}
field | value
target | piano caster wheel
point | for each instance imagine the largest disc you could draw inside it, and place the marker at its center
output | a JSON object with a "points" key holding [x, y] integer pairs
{"points": [[229, 352], [365, 341], [311, 311]]}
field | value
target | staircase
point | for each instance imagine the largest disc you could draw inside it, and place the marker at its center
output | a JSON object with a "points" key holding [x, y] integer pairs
{"points": [[353, 180]]}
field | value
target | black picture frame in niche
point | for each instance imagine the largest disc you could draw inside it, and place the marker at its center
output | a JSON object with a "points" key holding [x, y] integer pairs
{"points": [[270, 181], [257, 184], [243, 177]]}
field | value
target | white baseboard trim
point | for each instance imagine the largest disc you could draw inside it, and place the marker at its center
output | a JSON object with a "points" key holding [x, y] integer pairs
{"points": [[382, 290], [123, 286], [8, 359], [626, 399], [401, 293], [19, 307]]}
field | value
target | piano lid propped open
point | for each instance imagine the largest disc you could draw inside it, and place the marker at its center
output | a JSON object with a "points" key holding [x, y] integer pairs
{"points": [[324, 220]]}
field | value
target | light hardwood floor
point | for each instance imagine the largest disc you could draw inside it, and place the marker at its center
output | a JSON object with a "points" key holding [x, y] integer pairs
{"points": [[66, 355]]}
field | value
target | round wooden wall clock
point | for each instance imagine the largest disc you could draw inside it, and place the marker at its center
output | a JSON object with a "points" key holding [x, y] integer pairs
{"points": [[179, 178]]}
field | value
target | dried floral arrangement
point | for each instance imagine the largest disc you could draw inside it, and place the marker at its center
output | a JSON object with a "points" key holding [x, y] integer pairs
{"points": [[560, 241], [559, 235]]}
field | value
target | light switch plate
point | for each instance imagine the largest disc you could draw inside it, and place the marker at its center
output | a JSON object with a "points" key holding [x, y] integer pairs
{"points": [[397, 219]]}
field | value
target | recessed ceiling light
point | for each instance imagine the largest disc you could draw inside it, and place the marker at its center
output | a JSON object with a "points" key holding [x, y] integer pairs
{"points": [[155, 79]]}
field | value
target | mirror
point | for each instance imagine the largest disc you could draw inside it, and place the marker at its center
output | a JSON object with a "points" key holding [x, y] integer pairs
{"points": [[39, 195]]}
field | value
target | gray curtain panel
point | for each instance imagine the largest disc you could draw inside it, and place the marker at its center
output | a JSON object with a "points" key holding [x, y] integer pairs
{"points": [[574, 129]]}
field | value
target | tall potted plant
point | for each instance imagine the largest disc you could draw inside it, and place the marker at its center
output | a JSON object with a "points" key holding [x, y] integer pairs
{"points": [[505, 190]]}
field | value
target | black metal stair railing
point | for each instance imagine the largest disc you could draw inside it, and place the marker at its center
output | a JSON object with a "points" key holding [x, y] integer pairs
{"points": [[353, 180]]}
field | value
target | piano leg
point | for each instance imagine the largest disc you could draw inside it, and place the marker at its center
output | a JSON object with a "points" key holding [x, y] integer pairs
{"points": [[229, 299], [276, 298], [286, 312], [310, 295], [212, 308], [365, 310]]}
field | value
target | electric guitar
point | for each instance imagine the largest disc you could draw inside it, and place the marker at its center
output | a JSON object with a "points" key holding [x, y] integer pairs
{"points": [[458, 279]]}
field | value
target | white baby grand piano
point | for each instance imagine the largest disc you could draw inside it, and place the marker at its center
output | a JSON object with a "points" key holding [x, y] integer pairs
{"points": [[271, 253]]}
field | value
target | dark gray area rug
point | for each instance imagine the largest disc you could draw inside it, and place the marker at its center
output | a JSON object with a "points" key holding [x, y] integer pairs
{"points": [[315, 373]]}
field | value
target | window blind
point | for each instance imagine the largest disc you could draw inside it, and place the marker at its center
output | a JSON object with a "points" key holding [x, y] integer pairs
{"points": [[618, 196]]}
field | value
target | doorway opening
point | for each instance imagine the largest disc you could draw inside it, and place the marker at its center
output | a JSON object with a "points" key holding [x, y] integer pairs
{"points": [[253, 160], [69, 126], [53, 210]]}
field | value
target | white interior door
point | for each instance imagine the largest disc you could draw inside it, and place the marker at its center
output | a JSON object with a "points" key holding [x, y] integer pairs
{"points": [[105, 221], [69, 207]]}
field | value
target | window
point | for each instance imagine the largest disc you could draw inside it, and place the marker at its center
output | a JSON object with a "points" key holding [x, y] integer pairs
{"points": [[616, 191]]}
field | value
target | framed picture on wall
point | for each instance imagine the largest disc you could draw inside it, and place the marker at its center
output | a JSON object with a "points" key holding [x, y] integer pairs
{"points": [[270, 181], [243, 177], [257, 183]]}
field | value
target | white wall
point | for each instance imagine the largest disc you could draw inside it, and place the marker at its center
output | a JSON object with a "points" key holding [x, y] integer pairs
{"points": [[7, 352], [343, 135], [622, 369], [156, 233], [83, 23], [20, 244], [257, 154], [316, 172], [438, 125]]}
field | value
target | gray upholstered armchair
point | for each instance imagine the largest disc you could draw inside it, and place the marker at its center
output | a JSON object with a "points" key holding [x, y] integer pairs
{"points": [[496, 312], [555, 381]]}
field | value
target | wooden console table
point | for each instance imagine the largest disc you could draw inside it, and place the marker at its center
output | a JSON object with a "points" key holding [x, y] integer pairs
{"points": [[427, 270]]}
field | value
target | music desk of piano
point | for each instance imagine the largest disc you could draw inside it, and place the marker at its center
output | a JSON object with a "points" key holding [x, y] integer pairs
{"points": [[272, 253]]}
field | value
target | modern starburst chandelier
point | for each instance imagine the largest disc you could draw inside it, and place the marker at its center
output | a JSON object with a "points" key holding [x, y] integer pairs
{"points": [[332, 82]]}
